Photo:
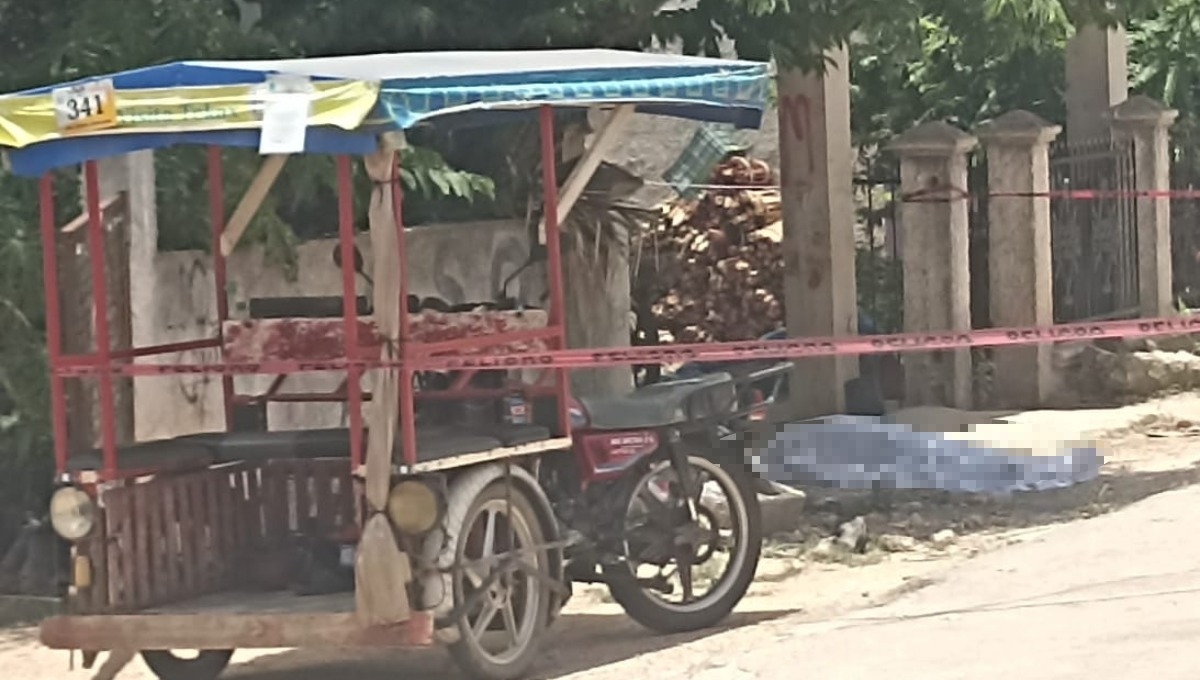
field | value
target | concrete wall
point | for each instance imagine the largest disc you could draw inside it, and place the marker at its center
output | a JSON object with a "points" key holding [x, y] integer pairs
{"points": [[459, 263]]}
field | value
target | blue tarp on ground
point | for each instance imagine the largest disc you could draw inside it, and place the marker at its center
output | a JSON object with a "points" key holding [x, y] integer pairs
{"points": [[862, 452], [420, 87]]}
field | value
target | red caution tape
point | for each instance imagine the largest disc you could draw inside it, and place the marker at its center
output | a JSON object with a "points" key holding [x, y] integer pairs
{"points": [[946, 194], [796, 348]]}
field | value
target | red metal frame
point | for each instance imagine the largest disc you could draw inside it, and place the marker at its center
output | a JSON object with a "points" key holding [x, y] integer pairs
{"points": [[358, 352], [350, 303], [558, 310], [108, 424], [216, 208], [58, 401]]}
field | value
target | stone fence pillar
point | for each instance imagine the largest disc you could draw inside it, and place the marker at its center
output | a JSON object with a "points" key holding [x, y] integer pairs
{"points": [[935, 255], [1019, 256], [1147, 123]]}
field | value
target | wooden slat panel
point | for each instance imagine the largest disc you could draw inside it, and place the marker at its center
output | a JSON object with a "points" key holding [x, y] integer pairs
{"points": [[170, 507], [228, 522], [118, 512], [160, 587], [200, 556], [346, 498], [300, 481], [141, 512], [187, 534], [272, 496], [241, 529], [337, 504], [98, 552], [323, 497], [291, 512], [214, 575], [253, 508]]}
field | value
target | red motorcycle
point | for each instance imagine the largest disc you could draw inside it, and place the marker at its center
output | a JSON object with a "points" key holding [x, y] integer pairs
{"points": [[654, 505]]}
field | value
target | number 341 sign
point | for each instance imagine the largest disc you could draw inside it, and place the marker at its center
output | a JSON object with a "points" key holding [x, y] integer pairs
{"points": [[85, 107]]}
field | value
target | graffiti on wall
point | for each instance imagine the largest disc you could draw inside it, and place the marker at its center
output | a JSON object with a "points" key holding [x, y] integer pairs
{"points": [[457, 270], [795, 118]]}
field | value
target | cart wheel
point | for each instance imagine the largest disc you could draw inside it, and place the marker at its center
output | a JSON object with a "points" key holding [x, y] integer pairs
{"points": [[507, 606], [206, 665], [713, 560]]}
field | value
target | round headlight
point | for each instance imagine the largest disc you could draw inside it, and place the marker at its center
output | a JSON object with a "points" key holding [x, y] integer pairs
{"points": [[72, 513], [413, 507]]}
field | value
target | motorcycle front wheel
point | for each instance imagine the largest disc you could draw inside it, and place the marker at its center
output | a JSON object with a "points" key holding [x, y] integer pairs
{"points": [[678, 575]]}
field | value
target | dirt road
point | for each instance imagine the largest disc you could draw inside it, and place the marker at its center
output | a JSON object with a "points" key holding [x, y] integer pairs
{"points": [[914, 539]]}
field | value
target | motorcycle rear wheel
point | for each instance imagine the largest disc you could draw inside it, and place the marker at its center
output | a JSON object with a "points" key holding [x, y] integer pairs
{"points": [[652, 610]]}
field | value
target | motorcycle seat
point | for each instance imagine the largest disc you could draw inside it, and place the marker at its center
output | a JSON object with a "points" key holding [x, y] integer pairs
{"points": [[662, 404]]}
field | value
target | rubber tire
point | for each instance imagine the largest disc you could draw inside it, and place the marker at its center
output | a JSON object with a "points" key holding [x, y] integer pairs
{"points": [[645, 608], [461, 651], [208, 665]]}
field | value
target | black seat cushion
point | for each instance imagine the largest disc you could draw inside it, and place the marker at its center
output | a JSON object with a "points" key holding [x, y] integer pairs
{"points": [[309, 307], [155, 456], [199, 451], [658, 405], [279, 444]]}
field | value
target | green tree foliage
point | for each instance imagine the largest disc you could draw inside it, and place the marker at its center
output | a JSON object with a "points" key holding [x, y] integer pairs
{"points": [[1164, 51]]}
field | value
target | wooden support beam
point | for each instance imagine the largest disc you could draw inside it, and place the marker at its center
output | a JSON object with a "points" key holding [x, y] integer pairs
{"points": [[115, 202], [383, 414], [229, 631], [251, 201], [382, 571], [602, 142]]}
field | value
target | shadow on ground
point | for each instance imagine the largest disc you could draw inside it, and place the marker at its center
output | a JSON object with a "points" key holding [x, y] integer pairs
{"points": [[577, 642]]}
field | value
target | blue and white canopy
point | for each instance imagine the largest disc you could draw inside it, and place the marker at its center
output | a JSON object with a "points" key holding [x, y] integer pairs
{"points": [[410, 89]]}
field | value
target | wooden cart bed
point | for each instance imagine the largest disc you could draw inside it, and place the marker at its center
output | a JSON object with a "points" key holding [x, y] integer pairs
{"points": [[172, 557], [236, 620], [438, 448]]}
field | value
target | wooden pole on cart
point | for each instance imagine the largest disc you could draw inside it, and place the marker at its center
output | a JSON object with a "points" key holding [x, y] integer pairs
{"points": [[260, 186], [382, 570]]}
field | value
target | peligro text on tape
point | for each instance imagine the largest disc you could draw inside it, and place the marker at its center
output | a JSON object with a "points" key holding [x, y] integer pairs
{"points": [[795, 348]]}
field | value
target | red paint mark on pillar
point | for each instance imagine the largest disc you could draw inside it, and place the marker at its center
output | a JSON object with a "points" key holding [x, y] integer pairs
{"points": [[795, 117]]}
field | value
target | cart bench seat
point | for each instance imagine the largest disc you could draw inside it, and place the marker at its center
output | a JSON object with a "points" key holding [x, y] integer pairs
{"points": [[198, 451], [165, 455]]}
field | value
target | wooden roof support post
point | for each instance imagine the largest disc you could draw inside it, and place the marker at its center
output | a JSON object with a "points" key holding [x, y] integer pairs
{"points": [[602, 142], [251, 201], [382, 570]]}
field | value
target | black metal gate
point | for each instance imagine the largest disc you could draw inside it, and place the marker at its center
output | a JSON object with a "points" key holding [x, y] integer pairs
{"points": [[877, 262], [1185, 219], [1094, 241]]}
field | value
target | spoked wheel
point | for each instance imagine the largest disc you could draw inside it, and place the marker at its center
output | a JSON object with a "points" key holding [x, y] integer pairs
{"points": [[203, 665], [680, 575], [496, 585]]}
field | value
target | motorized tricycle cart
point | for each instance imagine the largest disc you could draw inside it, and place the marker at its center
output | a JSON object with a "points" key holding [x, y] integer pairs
{"points": [[422, 527]]}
